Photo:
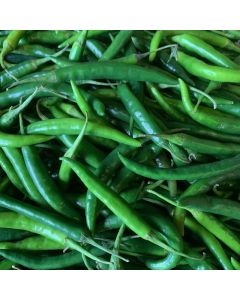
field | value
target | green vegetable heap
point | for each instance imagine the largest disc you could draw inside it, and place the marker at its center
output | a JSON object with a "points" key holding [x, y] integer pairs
{"points": [[120, 150]]}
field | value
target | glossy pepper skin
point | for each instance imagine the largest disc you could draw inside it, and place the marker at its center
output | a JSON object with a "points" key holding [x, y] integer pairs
{"points": [[120, 149]]}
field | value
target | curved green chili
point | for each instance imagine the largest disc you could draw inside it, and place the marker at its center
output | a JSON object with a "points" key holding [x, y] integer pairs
{"points": [[146, 123], [209, 37], [217, 228], [45, 185], [15, 221], [117, 205], [209, 117], [11, 173], [17, 161], [71, 126], [199, 68], [212, 243], [183, 173], [196, 45], [202, 145], [10, 43]]}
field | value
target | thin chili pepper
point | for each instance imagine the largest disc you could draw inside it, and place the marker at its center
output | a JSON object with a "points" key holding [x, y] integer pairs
{"points": [[10, 43], [15, 140], [70, 109], [199, 68], [155, 42], [51, 37], [105, 93], [117, 44], [78, 46], [15, 221], [71, 126], [212, 243], [183, 173], [17, 58], [35, 50], [209, 37], [217, 121], [96, 140], [72, 229], [104, 171], [21, 70], [11, 173], [15, 157], [96, 47], [215, 205], [118, 206], [171, 111], [125, 176], [12, 96], [217, 228], [43, 262], [105, 70], [202, 145], [146, 123], [32, 243], [81, 101], [45, 185], [201, 48], [205, 132], [96, 103]]}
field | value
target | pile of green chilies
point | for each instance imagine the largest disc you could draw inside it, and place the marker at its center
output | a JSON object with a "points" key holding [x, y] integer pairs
{"points": [[120, 150]]}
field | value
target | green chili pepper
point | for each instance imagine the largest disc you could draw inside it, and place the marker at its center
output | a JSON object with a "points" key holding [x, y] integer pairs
{"points": [[183, 173], [10, 43], [201, 48], [71, 126]]}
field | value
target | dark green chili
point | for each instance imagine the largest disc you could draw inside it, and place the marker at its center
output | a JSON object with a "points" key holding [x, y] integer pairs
{"points": [[215, 205], [105, 70], [183, 173]]}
